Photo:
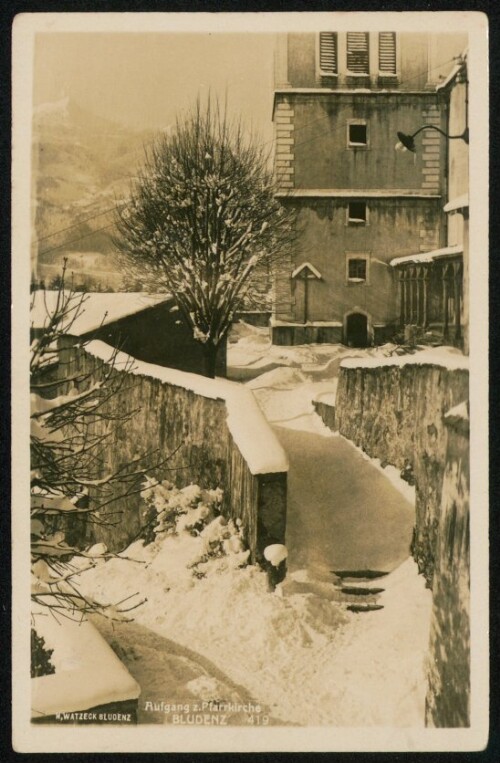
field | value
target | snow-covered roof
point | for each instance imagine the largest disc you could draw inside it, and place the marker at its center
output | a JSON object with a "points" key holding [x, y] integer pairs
{"points": [[454, 71], [435, 254], [88, 672], [447, 357], [357, 193], [306, 266], [459, 203], [98, 308], [252, 434]]}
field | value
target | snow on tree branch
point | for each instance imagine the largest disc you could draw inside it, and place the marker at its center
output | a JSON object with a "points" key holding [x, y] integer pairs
{"points": [[203, 219]]}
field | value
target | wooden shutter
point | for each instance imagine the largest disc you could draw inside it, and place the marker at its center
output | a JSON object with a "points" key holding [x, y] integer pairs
{"points": [[328, 52], [357, 53], [387, 52]]}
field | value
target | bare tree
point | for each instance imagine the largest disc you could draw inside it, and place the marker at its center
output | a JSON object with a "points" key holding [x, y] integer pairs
{"points": [[203, 219], [71, 431]]}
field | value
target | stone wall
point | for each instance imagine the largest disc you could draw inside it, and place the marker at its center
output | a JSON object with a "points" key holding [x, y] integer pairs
{"points": [[448, 670], [414, 414], [185, 423], [395, 412]]}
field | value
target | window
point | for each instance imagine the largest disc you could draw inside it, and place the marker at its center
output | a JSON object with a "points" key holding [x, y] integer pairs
{"points": [[355, 56], [357, 213], [387, 53], [357, 134], [328, 53], [358, 53], [357, 268]]}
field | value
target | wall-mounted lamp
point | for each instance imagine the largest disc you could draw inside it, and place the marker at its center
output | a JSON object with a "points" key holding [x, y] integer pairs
{"points": [[407, 142]]}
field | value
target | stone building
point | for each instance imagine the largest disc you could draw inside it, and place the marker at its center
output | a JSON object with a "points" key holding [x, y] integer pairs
{"points": [[433, 285], [340, 99]]}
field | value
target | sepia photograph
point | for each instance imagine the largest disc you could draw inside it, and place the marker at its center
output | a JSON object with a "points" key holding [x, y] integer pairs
{"points": [[247, 292]]}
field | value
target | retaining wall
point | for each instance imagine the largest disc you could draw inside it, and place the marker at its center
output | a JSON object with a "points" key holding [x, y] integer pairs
{"points": [[212, 432], [448, 669], [414, 412], [394, 410]]}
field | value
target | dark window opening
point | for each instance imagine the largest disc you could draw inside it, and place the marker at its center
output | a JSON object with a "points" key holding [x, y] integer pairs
{"points": [[357, 53], [357, 270], [357, 212], [357, 135]]}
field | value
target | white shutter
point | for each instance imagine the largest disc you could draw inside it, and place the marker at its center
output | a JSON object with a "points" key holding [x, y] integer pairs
{"points": [[387, 52], [328, 52], [357, 53]]}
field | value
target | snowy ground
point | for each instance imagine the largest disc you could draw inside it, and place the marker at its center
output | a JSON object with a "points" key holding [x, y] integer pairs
{"points": [[303, 656]]}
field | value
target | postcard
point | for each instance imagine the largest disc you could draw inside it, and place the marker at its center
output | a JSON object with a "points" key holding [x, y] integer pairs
{"points": [[250, 253]]}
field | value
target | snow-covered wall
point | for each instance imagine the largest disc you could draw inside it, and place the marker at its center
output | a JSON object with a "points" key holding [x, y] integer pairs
{"points": [[212, 432], [394, 410], [413, 411]]}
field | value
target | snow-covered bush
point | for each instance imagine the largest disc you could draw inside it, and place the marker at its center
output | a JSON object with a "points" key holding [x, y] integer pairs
{"points": [[172, 510]]}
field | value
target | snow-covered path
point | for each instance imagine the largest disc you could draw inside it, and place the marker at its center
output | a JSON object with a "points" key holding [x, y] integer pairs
{"points": [[342, 512], [307, 656]]}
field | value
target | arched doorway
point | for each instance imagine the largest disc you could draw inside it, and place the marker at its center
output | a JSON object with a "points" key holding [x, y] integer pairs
{"points": [[356, 330]]}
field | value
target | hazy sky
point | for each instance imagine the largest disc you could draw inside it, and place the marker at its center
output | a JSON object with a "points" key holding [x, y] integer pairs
{"points": [[146, 79]]}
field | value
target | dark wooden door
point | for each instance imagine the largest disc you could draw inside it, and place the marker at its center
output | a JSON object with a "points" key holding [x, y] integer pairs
{"points": [[356, 330]]}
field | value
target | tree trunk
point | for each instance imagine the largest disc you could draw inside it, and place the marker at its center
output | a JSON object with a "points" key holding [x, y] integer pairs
{"points": [[209, 359]]}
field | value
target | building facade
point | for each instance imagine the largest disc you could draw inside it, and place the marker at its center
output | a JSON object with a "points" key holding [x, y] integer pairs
{"points": [[340, 100], [433, 285]]}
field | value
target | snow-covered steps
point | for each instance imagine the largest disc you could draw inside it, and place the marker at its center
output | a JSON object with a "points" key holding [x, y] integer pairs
{"points": [[359, 589]]}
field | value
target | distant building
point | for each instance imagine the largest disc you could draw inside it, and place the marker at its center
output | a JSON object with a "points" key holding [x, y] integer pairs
{"points": [[146, 326], [340, 100]]}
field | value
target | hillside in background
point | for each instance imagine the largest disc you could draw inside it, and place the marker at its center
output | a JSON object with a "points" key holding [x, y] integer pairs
{"points": [[82, 169]]}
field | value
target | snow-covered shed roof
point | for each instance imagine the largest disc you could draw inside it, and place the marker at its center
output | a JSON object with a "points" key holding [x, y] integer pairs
{"points": [[435, 254], [98, 308]]}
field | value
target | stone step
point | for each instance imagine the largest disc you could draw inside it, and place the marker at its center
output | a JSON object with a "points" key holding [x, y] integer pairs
{"points": [[361, 590], [364, 607], [356, 574]]}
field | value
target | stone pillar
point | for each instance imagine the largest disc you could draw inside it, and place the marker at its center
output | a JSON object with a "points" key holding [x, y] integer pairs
{"points": [[445, 301], [418, 281], [402, 297], [457, 292], [413, 282], [425, 318]]}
